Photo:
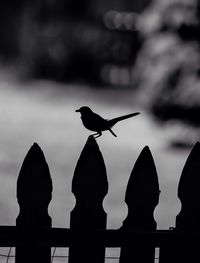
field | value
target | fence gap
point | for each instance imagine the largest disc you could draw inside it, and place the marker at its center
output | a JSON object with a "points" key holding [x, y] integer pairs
{"points": [[142, 196], [89, 186], [34, 193]]}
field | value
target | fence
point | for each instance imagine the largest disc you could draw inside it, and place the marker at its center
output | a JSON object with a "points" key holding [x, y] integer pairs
{"points": [[87, 237]]}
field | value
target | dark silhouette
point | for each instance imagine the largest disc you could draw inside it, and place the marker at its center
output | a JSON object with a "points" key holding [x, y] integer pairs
{"points": [[94, 122], [89, 186], [188, 218], [34, 193], [88, 236], [142, 196]]}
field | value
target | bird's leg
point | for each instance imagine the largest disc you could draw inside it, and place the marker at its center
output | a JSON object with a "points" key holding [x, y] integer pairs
{"points": [[96, 135], [112, 133]]}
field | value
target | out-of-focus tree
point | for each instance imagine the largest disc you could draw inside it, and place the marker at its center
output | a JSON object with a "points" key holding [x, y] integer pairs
{"points": [[100, 7], [70, 41], [10, 15], [167, 71], [15, 14]]}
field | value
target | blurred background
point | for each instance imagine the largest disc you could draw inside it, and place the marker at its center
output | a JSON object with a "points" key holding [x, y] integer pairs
{"points": [[117, 57]]}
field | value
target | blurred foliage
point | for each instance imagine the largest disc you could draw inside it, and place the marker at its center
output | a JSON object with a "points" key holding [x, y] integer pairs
{"points": [[167, 71], [68, 41], [72, 50], [10, 13]]}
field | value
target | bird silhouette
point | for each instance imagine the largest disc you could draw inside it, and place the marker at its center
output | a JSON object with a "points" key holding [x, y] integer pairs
{"points": [[94, 122]]}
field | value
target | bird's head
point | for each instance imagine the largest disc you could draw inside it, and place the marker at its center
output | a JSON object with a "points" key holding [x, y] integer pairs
{"points": [[84, 110]]}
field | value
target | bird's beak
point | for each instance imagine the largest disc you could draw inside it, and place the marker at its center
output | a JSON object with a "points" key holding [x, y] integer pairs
{"points": [[77, 110]]}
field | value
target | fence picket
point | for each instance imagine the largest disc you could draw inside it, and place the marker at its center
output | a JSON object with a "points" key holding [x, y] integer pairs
{"points": [[89, 186], [34, 192], [142, 197], [189, 217], [189, 193]]}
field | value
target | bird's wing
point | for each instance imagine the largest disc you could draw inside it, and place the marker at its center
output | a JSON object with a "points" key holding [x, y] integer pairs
{"points": [[95, 122]]}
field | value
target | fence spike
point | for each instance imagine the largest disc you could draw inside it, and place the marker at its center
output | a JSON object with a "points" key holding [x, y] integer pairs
{"points": [[189, 217], [142, 196], [188, 192], [89, 186], [34, 192]]}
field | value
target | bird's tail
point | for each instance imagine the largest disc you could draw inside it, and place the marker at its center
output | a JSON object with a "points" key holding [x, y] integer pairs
{"points": [[115, 120]]}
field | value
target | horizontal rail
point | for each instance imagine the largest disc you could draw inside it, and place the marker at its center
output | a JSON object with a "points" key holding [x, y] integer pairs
{"points": [[11, 236]]}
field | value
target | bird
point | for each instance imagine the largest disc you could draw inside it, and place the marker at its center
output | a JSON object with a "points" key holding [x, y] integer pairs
{"points": [[94, 122]]}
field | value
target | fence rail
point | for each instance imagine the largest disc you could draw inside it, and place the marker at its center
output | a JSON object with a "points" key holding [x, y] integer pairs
{"points": [[11, 236], [87, 236]]}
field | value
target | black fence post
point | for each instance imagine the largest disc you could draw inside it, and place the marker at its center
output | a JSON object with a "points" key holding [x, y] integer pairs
{"points": [[34, 192], [142, 196], [89, 186], [188, 220]]}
